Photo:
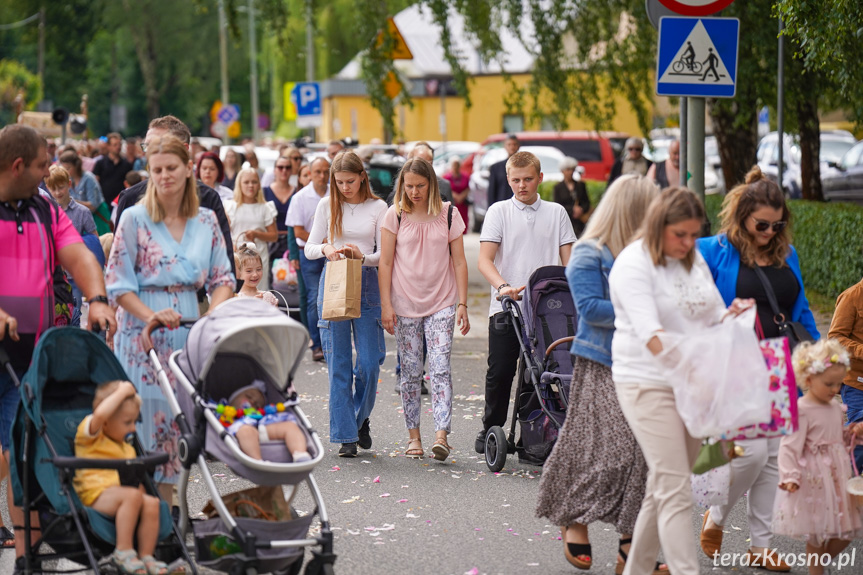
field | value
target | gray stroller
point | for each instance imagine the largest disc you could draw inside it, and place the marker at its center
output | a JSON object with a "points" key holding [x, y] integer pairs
{"points": [[240, 341]]}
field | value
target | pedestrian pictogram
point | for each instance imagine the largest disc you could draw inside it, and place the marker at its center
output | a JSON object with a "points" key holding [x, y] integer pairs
{"points": [[697, 57]]}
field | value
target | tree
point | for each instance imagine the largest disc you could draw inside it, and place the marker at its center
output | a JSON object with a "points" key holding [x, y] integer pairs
{"points": [[16, 80]]}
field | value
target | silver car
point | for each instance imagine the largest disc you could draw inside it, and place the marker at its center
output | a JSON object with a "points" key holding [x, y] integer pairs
{"points": [[843, 180]]}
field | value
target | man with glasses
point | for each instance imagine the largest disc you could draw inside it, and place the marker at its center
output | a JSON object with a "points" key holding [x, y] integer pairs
{"points": [[632, 161]]}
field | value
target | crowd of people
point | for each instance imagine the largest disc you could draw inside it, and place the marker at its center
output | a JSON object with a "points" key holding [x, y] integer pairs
{"points": [[176, 240]]}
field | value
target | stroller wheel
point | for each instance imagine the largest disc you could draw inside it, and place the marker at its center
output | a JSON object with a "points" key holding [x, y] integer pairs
{"points": [[495, 448], [318, 567]]}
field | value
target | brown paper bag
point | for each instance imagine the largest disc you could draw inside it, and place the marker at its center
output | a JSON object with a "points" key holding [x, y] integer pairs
{"points": [[343, 286]]}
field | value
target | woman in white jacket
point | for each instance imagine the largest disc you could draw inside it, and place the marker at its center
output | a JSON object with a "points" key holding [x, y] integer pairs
{"points": [[661, 283]]}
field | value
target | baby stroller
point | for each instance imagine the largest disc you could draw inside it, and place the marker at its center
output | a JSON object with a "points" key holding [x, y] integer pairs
{"points": [[240, 341], [56, 395], [545, 369]]}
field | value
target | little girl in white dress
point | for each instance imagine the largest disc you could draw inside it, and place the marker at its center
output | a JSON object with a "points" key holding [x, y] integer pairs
{"points": [[250, 269], [814, 463]]}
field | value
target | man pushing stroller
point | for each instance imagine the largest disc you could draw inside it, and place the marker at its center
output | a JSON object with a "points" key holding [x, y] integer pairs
{"points": [[518, 236]]}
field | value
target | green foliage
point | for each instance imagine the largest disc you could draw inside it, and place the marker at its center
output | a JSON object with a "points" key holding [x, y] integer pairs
{"points": [[15, 79]]}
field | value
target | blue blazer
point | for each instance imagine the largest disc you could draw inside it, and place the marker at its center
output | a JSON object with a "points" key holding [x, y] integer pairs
{"points": [[723, 259]]}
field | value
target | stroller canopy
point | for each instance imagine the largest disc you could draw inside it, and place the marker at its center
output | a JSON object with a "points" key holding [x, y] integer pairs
{"points": [[245, 327], [67, 355]]}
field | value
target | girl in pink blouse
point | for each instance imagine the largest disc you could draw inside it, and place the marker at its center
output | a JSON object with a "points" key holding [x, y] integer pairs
{"points": [[814, 465], [423, 285]]}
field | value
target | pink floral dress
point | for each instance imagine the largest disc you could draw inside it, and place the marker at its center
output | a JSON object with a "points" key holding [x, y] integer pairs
{"points": [[164, 273], [816, 458]]}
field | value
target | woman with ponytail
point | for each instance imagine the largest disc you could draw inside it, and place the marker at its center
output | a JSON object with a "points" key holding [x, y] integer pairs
{"points": [[754, 242]]}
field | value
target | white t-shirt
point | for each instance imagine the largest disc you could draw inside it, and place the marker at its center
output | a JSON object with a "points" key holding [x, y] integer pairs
{"points": [[529, 237], [361, 226], [648, 298], [301, 211]]}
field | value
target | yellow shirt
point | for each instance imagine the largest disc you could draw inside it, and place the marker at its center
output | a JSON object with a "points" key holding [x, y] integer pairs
{"points": [[90, 483]]}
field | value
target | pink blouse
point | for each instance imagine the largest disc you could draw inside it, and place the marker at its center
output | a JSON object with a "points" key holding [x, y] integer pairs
{"points": [[423, 275]]}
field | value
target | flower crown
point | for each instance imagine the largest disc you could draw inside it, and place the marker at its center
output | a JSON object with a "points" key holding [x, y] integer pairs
{"points": [[821, 365]]}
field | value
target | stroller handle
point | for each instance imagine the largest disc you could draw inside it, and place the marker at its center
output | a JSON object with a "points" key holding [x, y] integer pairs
{"points": [[558, 342], [147, 462], [153, 325]]}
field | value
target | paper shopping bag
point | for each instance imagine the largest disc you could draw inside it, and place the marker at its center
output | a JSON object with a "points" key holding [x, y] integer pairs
{"points": [[783, 394], [343, 286]]}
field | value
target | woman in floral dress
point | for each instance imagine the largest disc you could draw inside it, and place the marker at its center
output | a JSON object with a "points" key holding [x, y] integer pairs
{"points": [[165, 249]]}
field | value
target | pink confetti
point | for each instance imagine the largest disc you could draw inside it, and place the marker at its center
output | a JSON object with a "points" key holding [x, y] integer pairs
{"points": [[336, 468], [403, 500], [473, 571], [385, 495], [377, 479]]}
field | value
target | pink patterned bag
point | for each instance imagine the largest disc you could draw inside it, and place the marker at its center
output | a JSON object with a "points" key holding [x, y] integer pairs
{"points": [[783, 393]]}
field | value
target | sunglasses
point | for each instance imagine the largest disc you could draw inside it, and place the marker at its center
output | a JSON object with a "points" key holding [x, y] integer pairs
{"points": [[634, 149], [283, 167], [763, 226]]}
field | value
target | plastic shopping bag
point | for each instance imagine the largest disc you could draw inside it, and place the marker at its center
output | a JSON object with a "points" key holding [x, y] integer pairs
{"points": [[284, 275], [719, 376]]}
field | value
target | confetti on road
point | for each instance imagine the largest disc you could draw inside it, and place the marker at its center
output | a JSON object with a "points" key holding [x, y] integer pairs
{"points": [[384, 495], [336, 468], [352, 499], [403, 500], [377, 479]]}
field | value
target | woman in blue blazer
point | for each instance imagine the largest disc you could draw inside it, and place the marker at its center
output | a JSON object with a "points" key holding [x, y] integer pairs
{"points": [[755, 232]]}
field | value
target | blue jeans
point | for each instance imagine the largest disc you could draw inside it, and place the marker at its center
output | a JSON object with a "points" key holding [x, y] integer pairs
{"points": [[9, 400], [853, 398], [353, 387], [312, 271]]}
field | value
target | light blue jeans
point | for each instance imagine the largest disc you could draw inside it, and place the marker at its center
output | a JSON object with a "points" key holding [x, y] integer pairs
{"points": [[353, 386]]}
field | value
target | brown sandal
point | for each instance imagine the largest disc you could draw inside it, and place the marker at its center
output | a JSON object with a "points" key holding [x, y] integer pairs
{"points": [[415, 452], [711, 539], [441, 449], [578, 554]]}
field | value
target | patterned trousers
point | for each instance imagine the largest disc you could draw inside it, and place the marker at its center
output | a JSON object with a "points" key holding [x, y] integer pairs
{"points": [[438, 330]]}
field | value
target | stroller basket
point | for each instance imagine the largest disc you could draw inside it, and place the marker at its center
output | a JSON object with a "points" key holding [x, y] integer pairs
{"points": [[216, 548]]}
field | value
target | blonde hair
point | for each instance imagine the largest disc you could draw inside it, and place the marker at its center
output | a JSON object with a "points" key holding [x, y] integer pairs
{"points": [[421, 168], [814, 358], [523, 160], [345, 161], [238, 186], [673, 205], [245, 253], [169, 144], [57, 176], [107, 240], [757, 191], [106, 389], [620, 212]]}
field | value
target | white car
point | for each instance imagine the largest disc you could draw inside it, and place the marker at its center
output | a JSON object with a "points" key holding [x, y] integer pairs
{"points": [[266, 156]]}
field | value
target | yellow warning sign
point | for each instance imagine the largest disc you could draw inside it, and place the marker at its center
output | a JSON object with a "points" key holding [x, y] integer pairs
{"points": [[392, 86], [400, 50]]}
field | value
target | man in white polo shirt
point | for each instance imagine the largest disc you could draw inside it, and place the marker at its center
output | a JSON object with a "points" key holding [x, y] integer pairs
{"points": [[518, 236], [301, 215]]}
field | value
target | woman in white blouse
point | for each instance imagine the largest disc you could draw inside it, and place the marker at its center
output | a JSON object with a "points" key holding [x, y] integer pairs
{"points": [[348, 224], [660, 283]]}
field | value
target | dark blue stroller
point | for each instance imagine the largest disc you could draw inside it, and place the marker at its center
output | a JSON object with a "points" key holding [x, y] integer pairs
{"points": [[547, 323], [56, 394]]}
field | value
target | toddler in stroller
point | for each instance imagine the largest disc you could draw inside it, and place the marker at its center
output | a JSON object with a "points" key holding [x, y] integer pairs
{"points": [[251, 421], [102, 435]]}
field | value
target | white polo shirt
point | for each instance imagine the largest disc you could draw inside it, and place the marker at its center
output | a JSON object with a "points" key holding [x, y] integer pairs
{"points": [[301, 211], [528, 238]]}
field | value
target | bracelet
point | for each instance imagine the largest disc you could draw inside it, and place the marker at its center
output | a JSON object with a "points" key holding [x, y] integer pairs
{"points": [[99, 299], [503, 285], [459, 303]]}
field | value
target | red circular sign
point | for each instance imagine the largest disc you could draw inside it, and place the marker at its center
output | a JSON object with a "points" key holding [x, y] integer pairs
{"points": [[696, 7]]}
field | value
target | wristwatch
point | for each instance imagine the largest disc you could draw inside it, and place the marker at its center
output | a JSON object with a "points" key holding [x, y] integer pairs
{"points": [[99, 299]]}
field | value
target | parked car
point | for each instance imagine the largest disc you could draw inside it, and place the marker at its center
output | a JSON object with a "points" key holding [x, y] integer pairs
{"points": [[595, 151], [444, 154], [266, 156], [549, 158], [834, 145], [383, 172], [843, 180]]}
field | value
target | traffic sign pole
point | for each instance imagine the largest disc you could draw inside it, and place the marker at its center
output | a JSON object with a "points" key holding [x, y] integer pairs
{"points": [[695, 145]]}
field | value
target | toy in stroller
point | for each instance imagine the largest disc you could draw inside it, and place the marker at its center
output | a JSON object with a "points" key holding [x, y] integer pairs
{"points": [[545, 369], [56, 395], [239, 342]]}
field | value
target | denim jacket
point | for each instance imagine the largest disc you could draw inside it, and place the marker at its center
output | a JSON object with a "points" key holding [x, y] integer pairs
{"points": [[587, 274]]}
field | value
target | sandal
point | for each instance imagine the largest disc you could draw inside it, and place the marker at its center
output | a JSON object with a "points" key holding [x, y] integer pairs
{"points": [[415, 452], [154, 567], [127, 562], [659, 569], [441, 449], [7, 538], [578, 554]]}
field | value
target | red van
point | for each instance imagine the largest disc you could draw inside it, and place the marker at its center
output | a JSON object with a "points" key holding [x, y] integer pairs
{"points": [[595, 151]]}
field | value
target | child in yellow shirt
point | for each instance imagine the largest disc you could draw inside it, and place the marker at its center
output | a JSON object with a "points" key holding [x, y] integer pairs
{"points": [[102, 435]]}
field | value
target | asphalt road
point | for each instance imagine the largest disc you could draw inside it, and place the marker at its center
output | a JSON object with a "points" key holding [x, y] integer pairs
{"points": [[392, 514]]}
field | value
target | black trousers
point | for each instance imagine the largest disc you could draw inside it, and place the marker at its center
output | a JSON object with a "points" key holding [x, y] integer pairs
{"points": [[503, 355]]}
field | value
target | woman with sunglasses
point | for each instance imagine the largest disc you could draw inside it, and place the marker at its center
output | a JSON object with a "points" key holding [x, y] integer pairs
{"points": [[755, 232]]}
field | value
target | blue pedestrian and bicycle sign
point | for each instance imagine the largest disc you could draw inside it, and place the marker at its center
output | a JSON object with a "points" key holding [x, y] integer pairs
{"points": [[697, 57]]}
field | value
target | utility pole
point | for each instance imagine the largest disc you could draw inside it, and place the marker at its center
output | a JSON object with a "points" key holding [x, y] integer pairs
{"points": [[223, 58], [310, 44], [42, 47], [253, 71]]}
